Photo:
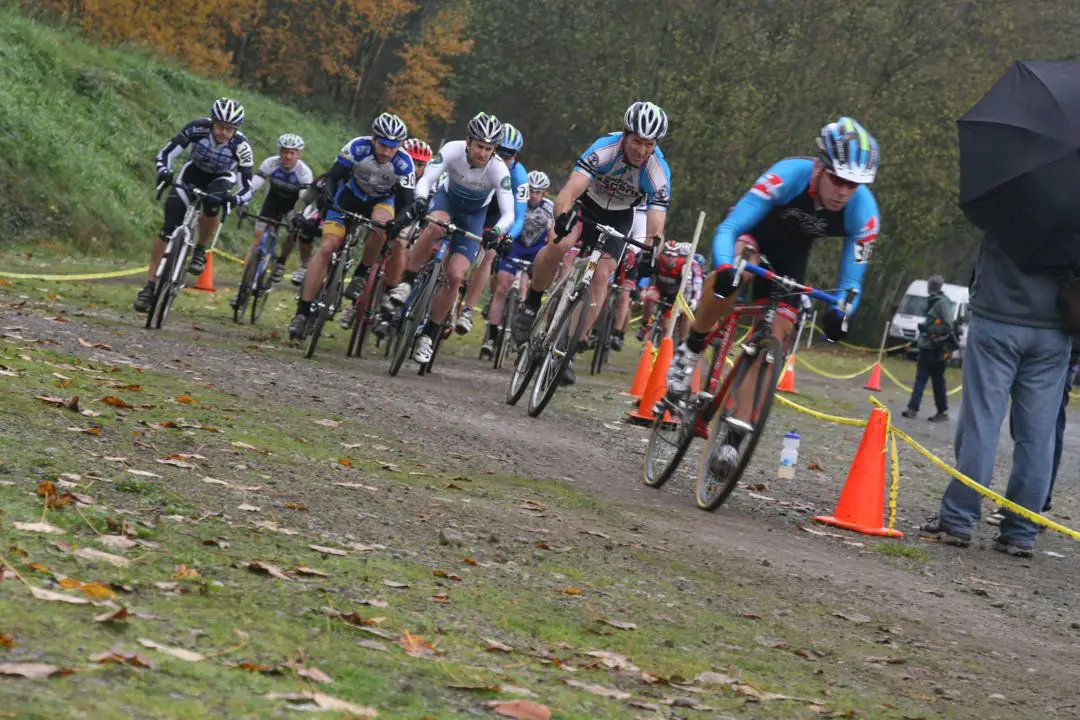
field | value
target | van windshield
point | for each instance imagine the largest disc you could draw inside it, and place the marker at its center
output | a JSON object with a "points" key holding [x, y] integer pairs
{"points": [[913, 305]]}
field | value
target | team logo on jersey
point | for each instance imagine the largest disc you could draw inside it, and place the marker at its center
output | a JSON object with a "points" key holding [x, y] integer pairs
{"points": [[505, 183], [864, 241], [768, 186], [661, 195], [592, 160]]}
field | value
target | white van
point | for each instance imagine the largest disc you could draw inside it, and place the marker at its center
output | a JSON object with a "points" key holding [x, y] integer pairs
{"points": [[912, 311]]}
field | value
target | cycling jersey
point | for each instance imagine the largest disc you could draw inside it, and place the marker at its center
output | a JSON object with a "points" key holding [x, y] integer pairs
{"points": [[469, 189], [519, 185], [783, 215], [538, 224], [232, 156], [668, 275], [370, 179], [615, 185], [282, 182]]}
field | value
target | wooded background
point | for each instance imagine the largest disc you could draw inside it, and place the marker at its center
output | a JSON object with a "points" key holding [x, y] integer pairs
{"points": [[744, 82]]}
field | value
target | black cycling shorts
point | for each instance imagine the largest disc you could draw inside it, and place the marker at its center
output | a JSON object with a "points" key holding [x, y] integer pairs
{"points": [[177, 203], [621, 220]]}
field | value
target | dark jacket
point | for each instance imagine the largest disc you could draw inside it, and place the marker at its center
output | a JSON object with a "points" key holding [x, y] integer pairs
{"points": [[1001, 291], [935, 331]]}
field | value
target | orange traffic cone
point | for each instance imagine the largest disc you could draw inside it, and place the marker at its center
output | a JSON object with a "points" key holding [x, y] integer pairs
{"points": [[787, 378], [874, 383], [206, 278], [862, 502], [657, 385], [644, 367]]}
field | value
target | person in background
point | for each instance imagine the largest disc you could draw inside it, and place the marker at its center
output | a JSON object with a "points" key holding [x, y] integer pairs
{"points": [[936, 342]]}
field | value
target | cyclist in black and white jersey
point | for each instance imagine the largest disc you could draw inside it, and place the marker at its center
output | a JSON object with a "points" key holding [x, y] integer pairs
{"points": [[219, 159], [286, 176]]}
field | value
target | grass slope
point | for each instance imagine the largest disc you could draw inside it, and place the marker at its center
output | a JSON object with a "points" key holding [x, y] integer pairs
{"points": [[80, 127]]}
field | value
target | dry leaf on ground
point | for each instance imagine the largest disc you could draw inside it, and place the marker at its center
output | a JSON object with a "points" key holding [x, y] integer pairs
{"points": [[714, 678], [175, 462], [130, 657], [853, 617], [620, 624], [43, 594], [118, 403], [41, 527], [325, 702], [94, 346], [97, 555], [495, 645], [119, 542], [185, 399], [244, 507], [615, 661], [264, 569], [69, 403], [33, 671], [120, 613], [328, 423], [415, 646], [329, 550], [313, 674], [143, 473], [178, 653], [309, 572], [599, 690], [183, 572], [520, 709]]}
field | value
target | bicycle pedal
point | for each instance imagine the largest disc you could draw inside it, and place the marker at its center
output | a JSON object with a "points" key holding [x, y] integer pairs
{"points": [[704, 397], [750, 350]]}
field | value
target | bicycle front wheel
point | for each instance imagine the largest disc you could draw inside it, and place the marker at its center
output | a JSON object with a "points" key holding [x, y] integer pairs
{"points": [[731, 441], [411, 317], [168, 284], [603, 338], [503, 341], [366, 311], [559, 354], [325, 303], [669, 440], [261, 294]]}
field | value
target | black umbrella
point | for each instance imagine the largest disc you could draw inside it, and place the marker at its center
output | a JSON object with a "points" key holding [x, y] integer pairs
{"points": [[1020, 163]]}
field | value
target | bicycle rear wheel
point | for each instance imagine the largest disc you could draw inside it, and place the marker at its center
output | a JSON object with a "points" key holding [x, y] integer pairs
{"points": [[668, 442], [325, 303], [719, 473], [366, 312], [555, 360], [529, 353], [603, 336], [503, 341]]}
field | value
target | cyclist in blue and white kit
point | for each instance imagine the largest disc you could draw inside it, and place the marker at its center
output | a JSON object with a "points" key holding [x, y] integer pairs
{"points": [[797, 201], [474, 174], [285, 176], [219, 158], [372, 176], [616, 173], [508, 149], [539, 230]]}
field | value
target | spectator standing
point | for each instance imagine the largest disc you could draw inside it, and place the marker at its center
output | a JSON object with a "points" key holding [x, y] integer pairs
{"points": [[936, 342]]}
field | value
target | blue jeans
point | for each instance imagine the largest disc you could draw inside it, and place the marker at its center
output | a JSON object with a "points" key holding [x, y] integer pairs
{"points": [[1029, 364], [1059, 438]]}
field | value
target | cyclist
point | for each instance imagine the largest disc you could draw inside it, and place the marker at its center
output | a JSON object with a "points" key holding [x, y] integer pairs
{"points": [[508, 149], [371, 176], [797, 201], [286, 176], [667, 277], [219, 157], [616, 173], [473, 173], [538, 231]]}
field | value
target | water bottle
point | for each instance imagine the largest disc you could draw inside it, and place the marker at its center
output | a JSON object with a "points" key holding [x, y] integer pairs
{"points": [[789, 455]]}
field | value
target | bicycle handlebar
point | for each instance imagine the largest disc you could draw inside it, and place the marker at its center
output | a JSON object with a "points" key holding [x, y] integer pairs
{"points": [[361, 219], [452, 229], [843, 304]]}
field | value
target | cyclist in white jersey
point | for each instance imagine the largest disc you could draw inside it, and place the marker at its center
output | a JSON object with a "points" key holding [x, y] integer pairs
{"points": [[473, 172]]}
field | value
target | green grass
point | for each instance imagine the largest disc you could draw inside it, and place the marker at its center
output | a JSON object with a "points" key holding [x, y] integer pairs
{"points": [[900, 550], [82, 124]]}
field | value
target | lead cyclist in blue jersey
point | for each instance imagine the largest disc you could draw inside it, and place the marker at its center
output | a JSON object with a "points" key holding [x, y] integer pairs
{"points": [[797, 201], [616, 173]]}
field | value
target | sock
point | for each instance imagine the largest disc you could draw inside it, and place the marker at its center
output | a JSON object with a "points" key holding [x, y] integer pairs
{"points": [[408, 276], [361, 271], [534, 298], [695, 341], [734, 438], [282, 258], [303, 308], [432, 329], [617, 333], [493, 331]]}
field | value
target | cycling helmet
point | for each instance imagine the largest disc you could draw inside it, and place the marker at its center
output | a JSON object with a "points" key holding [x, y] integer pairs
{"points": [[512, 140], [290, 141], [699, 259], [647, 120], [228, 111], [539, 180], [389, 129], [418, 150], [671, 247], [486, 128], [848, 151]]}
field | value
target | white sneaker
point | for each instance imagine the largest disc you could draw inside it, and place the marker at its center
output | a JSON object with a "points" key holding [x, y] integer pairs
{"points": [[681, 371], [723, 461], [298, 277], [423, 352], [399, 294], [464, 322], [487, 350], [347, 317]]}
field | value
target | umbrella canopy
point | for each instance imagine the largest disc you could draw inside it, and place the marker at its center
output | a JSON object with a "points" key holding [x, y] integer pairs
{"points": [[1020, 163]]}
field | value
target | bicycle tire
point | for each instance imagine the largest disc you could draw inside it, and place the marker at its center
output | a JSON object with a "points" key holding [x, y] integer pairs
{"points": [[763, 395], [654, 471], [603, 336], [246, 289], [324, 301], [365, 315], [525, 366], [175, 268], [444, 328], [425, 369], [549, 374], [503, 340], [407, 326], [261, 296]]}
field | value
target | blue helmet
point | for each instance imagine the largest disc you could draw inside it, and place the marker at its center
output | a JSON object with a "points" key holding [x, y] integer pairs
{"points": [[699, 259], [512, 140], [848, 151]]}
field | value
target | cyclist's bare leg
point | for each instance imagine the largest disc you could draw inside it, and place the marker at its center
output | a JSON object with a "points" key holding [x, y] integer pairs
{"points": [[744, 395], [622, 311], [332, 235], [599, 288], [547, 261], [503, 280], [377, 238], [253, 252], [479, 278], [712, 309], [683, 327], [647, 305], [395, 264], [207, 225], [456, 266], [156, 253]]}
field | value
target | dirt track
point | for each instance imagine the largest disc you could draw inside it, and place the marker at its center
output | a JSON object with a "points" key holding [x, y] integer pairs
{"points": [[1017, 619]]}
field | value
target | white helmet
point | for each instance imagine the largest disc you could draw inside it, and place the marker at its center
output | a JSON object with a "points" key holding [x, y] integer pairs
{"points": [[539, 180], [290, 141], [389, 128], [486, 128], [647, 120], [228, 111]]}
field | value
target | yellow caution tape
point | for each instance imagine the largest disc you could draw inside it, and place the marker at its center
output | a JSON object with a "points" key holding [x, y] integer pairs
{"points": [[227, 256], [839, 420], [77, 276], [823, 373], [860, 347], [984, 491], [680, 301], [894, 489]]}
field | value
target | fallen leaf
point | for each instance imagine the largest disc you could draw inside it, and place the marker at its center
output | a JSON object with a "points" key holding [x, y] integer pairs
{"points": [[356, 486], [594, 533], [325, 702], [329, 550], [6, 640], [395, 584], [471, 561], [310, 572], [265, 569], [96, 590], [345, 462], [853, 617], [90, 413], [178, 653], [359, 547], [615, 661], [886, 660], [441, 598], [813, 466], [520, 709], [175, 462], [41, 527], [414, 645], [120, 613], [807, 654], [274, 527], [113, 401], [129, 657], [243, 445], [257, 667], [714, 678], [374, 603], [143, 473], [620, 624], [328, 423], [70, 404], [120, 542], [493, 645], [749, 691], [248, 508], [296, 506], [599, 690], [183, 572], [99, 556], [95, 346], [43, 594], [33, 671], [185, 399], [568, 590]]}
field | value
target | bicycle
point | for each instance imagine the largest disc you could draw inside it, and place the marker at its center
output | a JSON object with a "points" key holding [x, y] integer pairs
{"points": [[328, 300], [368, 304], [558, 328], [605, 325], [503, 342], [412, 317], [711, 413], [255, 282], [171, 274]]}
